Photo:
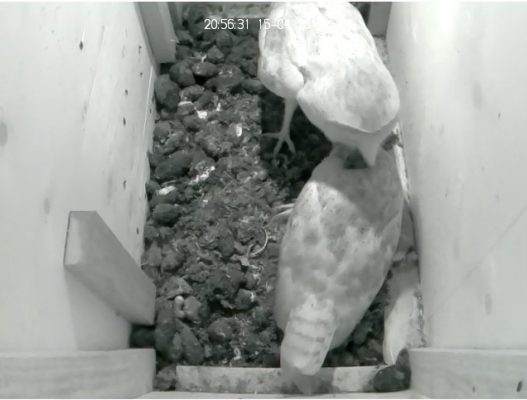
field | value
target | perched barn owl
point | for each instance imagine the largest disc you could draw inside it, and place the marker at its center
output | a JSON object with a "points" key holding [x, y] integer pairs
{"points": [[322, 57], [338, 245]]}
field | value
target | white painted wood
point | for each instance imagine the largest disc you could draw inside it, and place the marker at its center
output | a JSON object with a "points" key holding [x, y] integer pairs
{"points": [[160, 30], [97, 374], [75, 126], [95, 256], [407, 394], [460, 373], [461, 78], [267, 380]]}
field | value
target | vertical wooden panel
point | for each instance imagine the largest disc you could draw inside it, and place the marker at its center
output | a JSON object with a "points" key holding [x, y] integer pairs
{"points": [[460, 72], [160, 30], [75, 120]]}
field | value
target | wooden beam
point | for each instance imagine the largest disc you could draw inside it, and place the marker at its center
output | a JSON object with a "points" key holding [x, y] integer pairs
{"points": [[160, 30], [460, 373], [92, 374], [97, 258], [267, 380]]}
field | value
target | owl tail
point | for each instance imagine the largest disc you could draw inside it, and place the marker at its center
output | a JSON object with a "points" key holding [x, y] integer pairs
{"points": [[307, 339]]}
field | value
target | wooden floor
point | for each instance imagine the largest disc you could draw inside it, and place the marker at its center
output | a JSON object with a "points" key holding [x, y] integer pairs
{"points": [[469, 373], [193, 395], [201, 379], [83, 374], [199, 382]]}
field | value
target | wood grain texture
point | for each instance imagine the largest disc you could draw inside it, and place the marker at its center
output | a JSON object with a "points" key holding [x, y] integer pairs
{"points": [[97, 374], [97, 258], [76, 118], [459, 373], [267, 380]]}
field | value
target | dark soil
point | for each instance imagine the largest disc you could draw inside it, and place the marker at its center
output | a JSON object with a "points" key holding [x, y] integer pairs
{"points": [[211, 246]]}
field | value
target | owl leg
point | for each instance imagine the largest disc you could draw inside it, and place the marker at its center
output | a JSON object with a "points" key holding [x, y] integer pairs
{"points": [[283, 135]]}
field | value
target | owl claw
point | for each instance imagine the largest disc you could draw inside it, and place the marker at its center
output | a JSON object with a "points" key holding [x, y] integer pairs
{"points": [[282, 136]]}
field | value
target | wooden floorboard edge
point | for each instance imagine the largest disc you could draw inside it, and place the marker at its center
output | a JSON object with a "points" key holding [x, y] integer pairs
{"points": [[194, 395], [268, 380], [85, 374], [463, 373]]}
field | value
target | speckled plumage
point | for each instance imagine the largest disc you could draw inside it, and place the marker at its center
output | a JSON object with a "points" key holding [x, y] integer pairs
{"points": [[338, 246], [325, 59]]}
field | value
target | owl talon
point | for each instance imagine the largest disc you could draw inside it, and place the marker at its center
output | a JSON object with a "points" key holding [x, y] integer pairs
{"points": [[282, 136]]}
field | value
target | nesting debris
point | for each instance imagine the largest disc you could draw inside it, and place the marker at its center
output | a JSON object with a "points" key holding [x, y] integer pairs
{"points": [[166, 378], [394, 377], [167, 92], [181, 73], [211, 243]]}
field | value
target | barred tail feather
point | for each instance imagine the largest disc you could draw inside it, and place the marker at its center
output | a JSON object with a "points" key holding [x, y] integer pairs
{"points": [[308, 336]]}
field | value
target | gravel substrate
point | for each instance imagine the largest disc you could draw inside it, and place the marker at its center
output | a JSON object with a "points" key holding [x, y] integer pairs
{"points": [[211, 243]]}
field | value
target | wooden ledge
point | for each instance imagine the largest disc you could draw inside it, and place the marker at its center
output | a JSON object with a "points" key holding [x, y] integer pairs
{"points": [[460, 373], [84, 374], [267, 380], [361, 395], [97, 258]]}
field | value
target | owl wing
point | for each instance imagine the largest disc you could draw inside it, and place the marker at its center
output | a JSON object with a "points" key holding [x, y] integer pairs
{"points": [[275, 69], [346, 82]]}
